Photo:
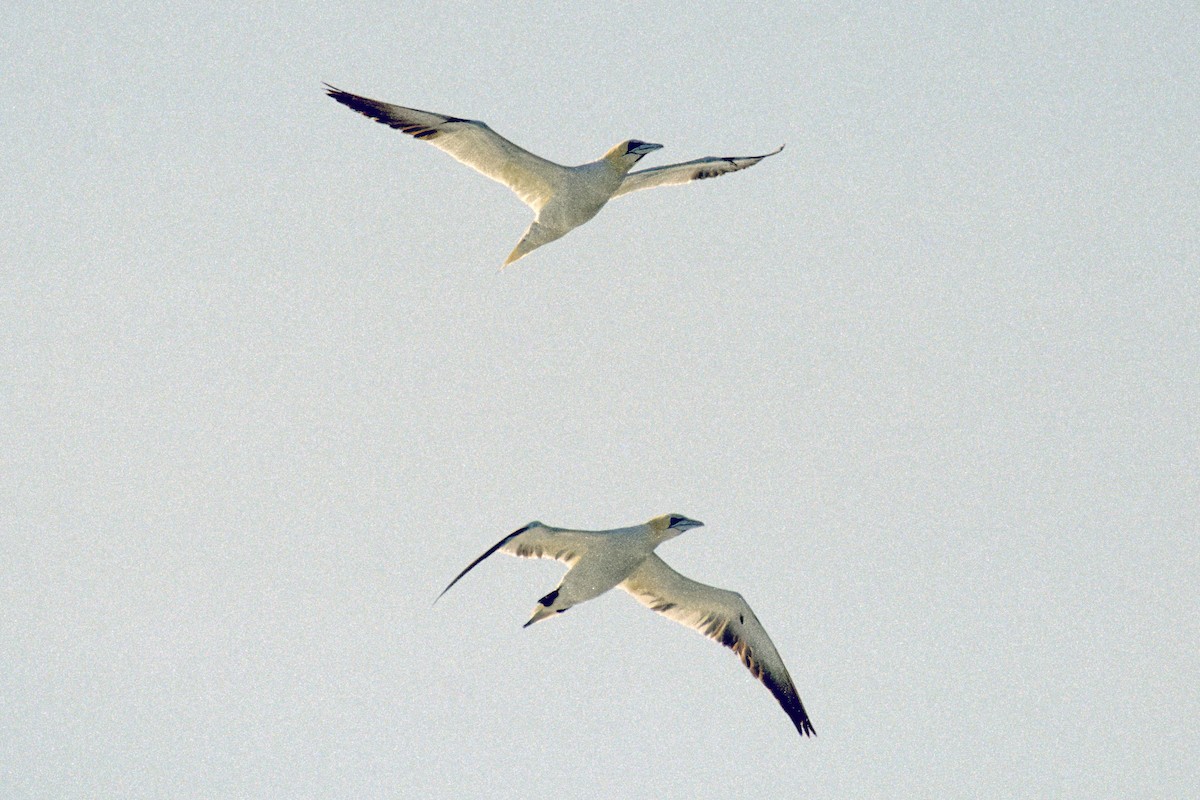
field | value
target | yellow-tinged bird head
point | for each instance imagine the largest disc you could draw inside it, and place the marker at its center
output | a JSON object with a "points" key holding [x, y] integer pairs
{"points": [[626, 154], [668, 526]]}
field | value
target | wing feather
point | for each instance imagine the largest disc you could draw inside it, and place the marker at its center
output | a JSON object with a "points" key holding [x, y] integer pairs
{"points": [[687, 171], [469, 141], [533, 541], [722, 616]]}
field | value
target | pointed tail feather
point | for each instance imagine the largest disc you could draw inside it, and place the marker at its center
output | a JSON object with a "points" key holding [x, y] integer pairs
{"points": [[535, 236]]}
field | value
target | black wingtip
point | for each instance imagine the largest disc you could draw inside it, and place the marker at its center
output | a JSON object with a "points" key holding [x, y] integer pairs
{"points": [[439, 597], [800, 719], [490, 550], [795, 710]]}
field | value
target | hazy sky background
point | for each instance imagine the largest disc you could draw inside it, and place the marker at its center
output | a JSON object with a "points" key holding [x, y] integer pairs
{"points": [[931, 377]]}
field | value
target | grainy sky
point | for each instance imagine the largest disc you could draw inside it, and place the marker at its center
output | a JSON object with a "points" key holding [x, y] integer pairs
{"points": [[931, 377]]}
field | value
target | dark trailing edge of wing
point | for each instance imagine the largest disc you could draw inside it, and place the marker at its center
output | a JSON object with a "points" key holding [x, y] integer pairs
{"points": [[702, 173], [491, 550], [779, 685], [787, 698], [379, 112]]}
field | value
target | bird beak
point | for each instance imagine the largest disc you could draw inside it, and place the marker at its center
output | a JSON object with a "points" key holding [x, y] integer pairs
{"points": [[646, 147]]}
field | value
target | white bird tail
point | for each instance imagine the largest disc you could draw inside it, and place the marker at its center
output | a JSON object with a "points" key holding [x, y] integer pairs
{"points": [[535, 236], [548, 606]]}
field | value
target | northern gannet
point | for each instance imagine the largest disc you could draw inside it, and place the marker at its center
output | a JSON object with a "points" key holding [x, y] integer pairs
{"points": [[624, 557], [562, 198]]}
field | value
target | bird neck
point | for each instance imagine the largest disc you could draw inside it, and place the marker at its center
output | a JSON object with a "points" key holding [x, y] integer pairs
{"points": [[660, 533], [619, 160]]}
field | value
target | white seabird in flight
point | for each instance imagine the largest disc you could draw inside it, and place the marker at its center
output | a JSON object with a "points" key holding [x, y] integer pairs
{"points": [[562, 198], [624, 557]]}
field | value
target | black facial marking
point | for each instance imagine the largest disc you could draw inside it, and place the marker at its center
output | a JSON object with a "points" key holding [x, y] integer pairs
{"points": [[548, 599], [673, 521]]}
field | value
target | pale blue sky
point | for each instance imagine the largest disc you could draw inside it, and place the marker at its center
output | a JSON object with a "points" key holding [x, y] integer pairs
{"points": [[931, 377]]}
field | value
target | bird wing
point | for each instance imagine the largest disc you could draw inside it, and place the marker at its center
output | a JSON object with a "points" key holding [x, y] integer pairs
{"points": [[724, 617], [470, 141], [534, 541], [688, 171]]}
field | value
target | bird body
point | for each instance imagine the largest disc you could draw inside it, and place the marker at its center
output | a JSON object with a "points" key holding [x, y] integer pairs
{"points": [[562, 198], [577, 194], [608, 558], [624, 557]]}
